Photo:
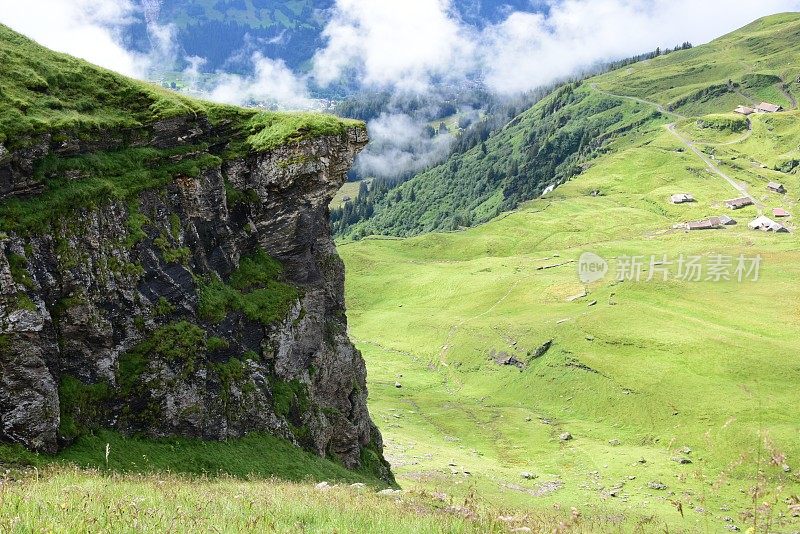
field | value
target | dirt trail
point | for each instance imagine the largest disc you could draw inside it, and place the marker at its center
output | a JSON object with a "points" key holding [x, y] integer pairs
{"points": [[656, 105], [713, 168], [788, 95], [709, 163]]}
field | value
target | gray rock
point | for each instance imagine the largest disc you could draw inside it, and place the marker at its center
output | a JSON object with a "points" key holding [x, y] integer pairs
{"points": [[682, 460], [98, 292], [528, 476], [566, 436], [656, 485], [542, 349], [504, 358]]}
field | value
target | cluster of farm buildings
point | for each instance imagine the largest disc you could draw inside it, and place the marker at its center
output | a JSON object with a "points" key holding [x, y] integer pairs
{"points": [[764, 107], [762, 222]]}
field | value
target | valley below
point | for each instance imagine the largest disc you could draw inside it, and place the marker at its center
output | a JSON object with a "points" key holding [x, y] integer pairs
{"points": [[662, 401]]}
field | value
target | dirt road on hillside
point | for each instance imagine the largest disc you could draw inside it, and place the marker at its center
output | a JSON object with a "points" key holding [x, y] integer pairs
{"points": [[741, 188]]}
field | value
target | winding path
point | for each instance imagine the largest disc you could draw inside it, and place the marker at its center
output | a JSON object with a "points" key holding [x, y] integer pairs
{"points": [[656, 105], [716, 170], [740, 188]]}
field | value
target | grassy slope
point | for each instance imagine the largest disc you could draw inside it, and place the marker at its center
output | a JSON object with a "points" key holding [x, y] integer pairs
{"points": [[655, 365], [768, 47], [255, 456], [44, 91], [76, 501], [547, 143]]}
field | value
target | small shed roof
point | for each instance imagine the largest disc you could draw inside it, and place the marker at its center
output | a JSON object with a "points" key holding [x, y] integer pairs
{"points": [[766, 224], [775, 186], [706, 224], [737, 203], [780, 212], [768, 107]]}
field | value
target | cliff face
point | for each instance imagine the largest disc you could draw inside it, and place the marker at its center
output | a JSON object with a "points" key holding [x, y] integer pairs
{"points": [[207, 305]]}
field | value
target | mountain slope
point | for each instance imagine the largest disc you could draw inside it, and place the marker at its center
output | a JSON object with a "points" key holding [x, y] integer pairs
{"points": [[748, 66], [678, 394], [559, 137]]}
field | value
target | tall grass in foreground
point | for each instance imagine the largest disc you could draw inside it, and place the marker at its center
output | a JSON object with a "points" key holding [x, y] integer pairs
{"points": [[61, 499], [70, 500]]}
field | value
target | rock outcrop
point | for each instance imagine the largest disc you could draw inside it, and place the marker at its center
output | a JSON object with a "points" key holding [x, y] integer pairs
{"points": [[209, 305]]}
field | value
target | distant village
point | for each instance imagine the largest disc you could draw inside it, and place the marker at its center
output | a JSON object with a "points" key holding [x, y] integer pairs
{"points": [[762, 222]]}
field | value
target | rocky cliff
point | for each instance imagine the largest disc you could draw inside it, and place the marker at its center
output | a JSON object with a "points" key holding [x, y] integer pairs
{"points": [[178, 277]]}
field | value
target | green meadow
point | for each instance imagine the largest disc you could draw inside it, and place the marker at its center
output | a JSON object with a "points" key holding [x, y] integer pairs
{"points": [[680, 395], [637, 370]]}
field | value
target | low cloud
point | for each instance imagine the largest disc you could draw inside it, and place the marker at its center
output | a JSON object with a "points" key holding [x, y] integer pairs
{"points": [[399, 43], [401, 144], [406, 45], [413, 44], [89, 29], [272, 81]]}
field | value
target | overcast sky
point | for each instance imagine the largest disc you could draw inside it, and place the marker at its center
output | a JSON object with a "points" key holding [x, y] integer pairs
{"points": [[408, 43]]}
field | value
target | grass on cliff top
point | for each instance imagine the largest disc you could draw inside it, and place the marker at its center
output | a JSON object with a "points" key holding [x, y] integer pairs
{"points": [[256, 456], [271, 130], [42, 90]]}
